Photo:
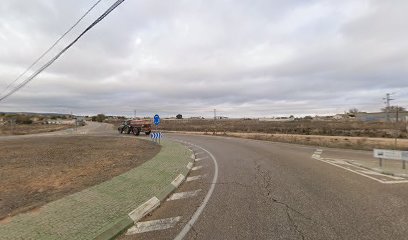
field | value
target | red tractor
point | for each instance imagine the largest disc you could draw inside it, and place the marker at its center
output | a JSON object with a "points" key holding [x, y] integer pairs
{"points": [[136, 126]]}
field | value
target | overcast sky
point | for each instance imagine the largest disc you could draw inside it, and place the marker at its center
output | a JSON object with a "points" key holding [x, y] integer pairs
{"points": [[244, 58]]}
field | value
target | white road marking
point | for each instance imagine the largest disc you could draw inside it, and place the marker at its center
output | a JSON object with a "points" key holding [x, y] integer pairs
{"points": [[380, 174], [200, 209], [182, 195], [196, 168], [193, 178], [362, 174], [199, 153], [153, 225], [200, 159]]}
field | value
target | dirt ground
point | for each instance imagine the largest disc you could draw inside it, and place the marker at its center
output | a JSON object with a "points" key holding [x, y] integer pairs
{"points": [[347, 128], [37, 170], [22, 129]]}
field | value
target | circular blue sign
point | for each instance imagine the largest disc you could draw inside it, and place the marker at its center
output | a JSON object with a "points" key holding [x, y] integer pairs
{"points": [[156, 120]]}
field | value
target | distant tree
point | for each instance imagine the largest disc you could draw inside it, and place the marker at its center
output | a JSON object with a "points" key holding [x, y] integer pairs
{"points": [[93, 118], [54, 117], [291, 116], [308, 118], [353, 110], [23, 119], [100, 117], [179, 116], [393, 109]]}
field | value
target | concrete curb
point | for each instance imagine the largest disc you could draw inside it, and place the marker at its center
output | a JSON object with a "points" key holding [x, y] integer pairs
{"points": [[122, 224]]}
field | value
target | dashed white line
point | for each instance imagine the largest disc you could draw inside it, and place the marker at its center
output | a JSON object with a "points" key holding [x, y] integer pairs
{"points": [[182, 195], [153, 225]]}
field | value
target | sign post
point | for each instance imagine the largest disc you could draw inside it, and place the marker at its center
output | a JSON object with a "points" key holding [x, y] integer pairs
{"points": [[391, 154]]}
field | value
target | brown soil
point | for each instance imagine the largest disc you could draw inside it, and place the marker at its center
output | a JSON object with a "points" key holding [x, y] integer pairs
{"points": [[298, 127], [22, 129], [37, 170]]}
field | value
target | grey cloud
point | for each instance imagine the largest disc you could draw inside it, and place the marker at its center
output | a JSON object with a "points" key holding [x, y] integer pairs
{"points": [[260, 58]]}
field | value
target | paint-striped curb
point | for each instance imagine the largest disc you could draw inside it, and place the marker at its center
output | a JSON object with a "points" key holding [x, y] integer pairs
{"points": [[124, 223]]}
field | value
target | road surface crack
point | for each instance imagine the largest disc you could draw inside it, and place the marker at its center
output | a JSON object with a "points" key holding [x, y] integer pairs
{"points": [[266, 185], [264, 180]]}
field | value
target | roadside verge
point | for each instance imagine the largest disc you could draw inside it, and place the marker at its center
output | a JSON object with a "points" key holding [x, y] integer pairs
{"points": [[357, 143], [102, 211]]}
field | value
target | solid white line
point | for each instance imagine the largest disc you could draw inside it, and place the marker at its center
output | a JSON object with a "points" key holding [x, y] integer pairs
{"points": [[182, 195], [380, 174], [153, 225], [364, 175], [196, 168], [193, 178], [199, 153], [200, 209]]}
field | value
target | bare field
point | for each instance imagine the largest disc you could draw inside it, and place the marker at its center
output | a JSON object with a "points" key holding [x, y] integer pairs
{"points": [[22, 129], [37, 170], [303, 127], [359, 143]]}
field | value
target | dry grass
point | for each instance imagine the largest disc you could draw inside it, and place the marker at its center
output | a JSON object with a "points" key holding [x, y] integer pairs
{"points": [[23, 129], [325, 128]]}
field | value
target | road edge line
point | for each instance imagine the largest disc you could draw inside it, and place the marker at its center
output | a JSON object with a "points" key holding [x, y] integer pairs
{"points": [[122, 224]]}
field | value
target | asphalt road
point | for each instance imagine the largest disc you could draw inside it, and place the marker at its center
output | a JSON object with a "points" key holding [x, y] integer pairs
{"points": [[267, 190]]}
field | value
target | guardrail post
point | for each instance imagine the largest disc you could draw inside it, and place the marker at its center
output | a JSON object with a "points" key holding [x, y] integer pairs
{"points": [[403, 164], [380, 161]]}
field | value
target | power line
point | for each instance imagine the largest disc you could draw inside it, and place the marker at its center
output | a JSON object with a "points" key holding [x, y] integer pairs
{"points": [[46, 65], [52, 46]]}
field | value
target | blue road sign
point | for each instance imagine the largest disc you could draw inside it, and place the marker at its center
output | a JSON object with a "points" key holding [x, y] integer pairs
{"points": [[156, 120], [156, 135]]}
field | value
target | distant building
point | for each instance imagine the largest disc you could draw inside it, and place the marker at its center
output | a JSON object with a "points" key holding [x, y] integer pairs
{"points": [[381, 116], [221, 117], [278, 119]]}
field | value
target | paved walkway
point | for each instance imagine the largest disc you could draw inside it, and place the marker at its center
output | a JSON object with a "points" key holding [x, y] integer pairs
{"points": [[85, 214]]}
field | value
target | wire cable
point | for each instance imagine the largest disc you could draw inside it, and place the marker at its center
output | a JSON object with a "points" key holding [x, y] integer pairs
{"points": [[52, 46], [46, 65]]}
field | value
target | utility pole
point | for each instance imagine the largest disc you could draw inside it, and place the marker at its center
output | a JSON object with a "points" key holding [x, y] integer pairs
{"points": [[215, 118], [387, 99], [134, 111]]}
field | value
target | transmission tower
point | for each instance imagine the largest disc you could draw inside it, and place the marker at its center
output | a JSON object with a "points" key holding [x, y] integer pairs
{"points": [[387, 101]]}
